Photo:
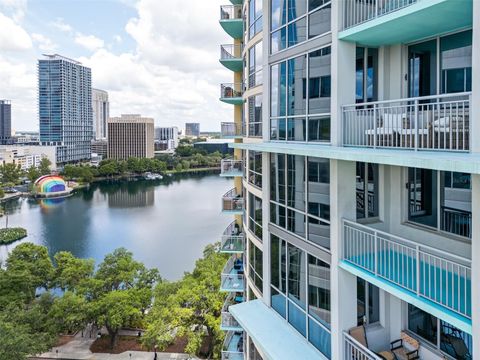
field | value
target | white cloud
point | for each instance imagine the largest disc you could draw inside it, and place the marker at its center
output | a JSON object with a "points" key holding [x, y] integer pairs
{"points": [[16, 7], [12, 36], [118, 39], [44, 43], [89, 42], [61, 25]]}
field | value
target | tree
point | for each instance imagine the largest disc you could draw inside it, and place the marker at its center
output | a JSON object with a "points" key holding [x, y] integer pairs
{"points": [[44, 166], [70, 271], [34, 260], [190, 308], [33, 173], [10, 173], [69, 313]]}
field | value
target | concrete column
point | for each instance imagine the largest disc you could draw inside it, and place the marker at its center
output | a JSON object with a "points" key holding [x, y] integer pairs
{"points": [[343, 74], [266, 72], [476, 263], [475, 110], [343, 284], [265, 232]]}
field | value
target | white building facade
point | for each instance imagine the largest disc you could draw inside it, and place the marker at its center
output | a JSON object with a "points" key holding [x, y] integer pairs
{"points": [[359, 179], [101, 113], [168, 136]]}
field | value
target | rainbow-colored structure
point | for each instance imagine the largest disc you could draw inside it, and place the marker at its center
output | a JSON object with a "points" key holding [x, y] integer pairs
{"points": [[49, 184]]}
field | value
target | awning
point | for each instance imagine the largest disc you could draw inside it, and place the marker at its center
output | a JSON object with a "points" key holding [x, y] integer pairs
{"points": [[272, 335]]}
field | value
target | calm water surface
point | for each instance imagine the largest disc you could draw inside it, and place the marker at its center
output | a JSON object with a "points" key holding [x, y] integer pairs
{"points": [[166, 224]]}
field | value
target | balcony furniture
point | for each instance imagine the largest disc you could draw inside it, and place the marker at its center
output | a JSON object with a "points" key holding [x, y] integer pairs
{"points": [[405, 348], [358, 333], [453, 343], [451, 132]]}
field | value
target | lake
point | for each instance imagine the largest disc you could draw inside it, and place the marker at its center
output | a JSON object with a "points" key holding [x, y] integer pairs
{"points": [[165, 223]]}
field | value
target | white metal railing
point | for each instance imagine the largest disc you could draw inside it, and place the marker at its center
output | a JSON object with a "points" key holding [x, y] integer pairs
{"points": [[231, 12], [233, 238], [231, 201], [359, 11], [231, 51], [228, 321], [232, 278], [433, 274], [356, 351], [440, 122], [231, 167], [231, 129], [231, 90], [456, 221]]}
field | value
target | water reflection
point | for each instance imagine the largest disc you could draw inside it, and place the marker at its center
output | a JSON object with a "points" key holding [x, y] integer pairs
{"points": [[165, 223]]}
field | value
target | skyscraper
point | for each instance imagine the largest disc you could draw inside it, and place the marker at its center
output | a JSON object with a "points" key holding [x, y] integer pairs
{"points": [[65, 107], [5, 121], [192, 129], [167, 137], [130, 135], [357, 195], [101, 113]]}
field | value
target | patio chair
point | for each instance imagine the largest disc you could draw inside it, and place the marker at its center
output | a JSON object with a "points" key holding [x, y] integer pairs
{"points": [[359, 334], [453, 343], [388, 130], [405, 348]]}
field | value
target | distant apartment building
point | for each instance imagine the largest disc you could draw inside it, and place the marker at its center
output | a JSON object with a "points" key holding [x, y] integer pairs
{"points": [[26, 137], [130, 136], [192, 129], [101, 111], [27, 155], [100, 147], [65, 107], [5, 121], [166, 138]]}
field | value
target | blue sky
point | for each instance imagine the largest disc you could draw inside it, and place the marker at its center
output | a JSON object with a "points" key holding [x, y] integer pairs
{"points": [[154, 57]]}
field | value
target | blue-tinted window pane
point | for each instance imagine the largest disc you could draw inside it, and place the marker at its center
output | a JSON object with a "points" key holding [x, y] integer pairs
{"points": [[297, 319], [320, 22], [320, 338], [279, 13], [278, 303], [279, 40], [297, 32]]}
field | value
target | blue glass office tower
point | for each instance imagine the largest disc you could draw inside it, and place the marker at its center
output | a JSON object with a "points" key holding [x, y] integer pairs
{"points": [[65, 107]]}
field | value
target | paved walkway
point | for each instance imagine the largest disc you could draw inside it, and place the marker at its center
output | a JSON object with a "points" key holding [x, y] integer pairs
{"points": [[79, 349]]}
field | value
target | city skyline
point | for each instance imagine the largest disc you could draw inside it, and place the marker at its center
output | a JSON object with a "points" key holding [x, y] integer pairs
{"points": [[174, 87]]}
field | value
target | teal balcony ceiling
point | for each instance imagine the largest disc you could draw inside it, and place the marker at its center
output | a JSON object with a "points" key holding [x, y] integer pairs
{"points": [[233, 100], [234, 64], [236, 2], [233, 27], [231, 57], [417, 21]]}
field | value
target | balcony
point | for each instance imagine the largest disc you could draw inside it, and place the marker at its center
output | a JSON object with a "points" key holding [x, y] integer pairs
{"points": [[232, 130], [427, 274], [386, 22], [231, 93], [232, 202], [233, 239], [354, 350], [231, 57], [231, 168], [233, 276], [424, 123], [228, 322], [233, 346], [231, 20]]}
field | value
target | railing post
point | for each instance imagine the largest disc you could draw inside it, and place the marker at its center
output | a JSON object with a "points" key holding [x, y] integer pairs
{"points": [[469, 122], [417, 251], [376, 8], [375, 126], [375, 250], [416, 124]]}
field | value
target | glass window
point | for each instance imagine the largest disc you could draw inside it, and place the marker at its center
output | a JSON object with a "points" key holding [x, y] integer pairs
{"points": [[255, 66], [456, 62], [296, 8], [319, 129], [296, 276], [255, 262], [455, 342], [278, 13], [255, 104], [278, 259], [297, 32], [422, 193], [320, 338], [297, 318], [255, 168], [279, 303], [255, 215], [319, 290], [319, 22], [297, 73], [368, 302], [422, 68], [278, 89], [255, 23], [296, 182], [319, 81], [422, 324], [367, 190]]}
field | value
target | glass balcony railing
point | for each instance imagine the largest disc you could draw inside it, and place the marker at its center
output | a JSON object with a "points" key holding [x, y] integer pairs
{"points": [[231, 20], [232, 130], [233, 346], [359, 11], [231, 168], [231, 57], [231, 12], [233, 276], [428, 273], [233, 239], [228, 322], [232, 202], [231, 93], [440, 122]]}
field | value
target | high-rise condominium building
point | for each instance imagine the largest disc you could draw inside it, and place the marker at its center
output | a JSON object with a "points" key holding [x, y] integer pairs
{"points": [[5, 121], [130, 136], [101, 113], [65, 107], [167, 136], [192, 129], [357, 186]]}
